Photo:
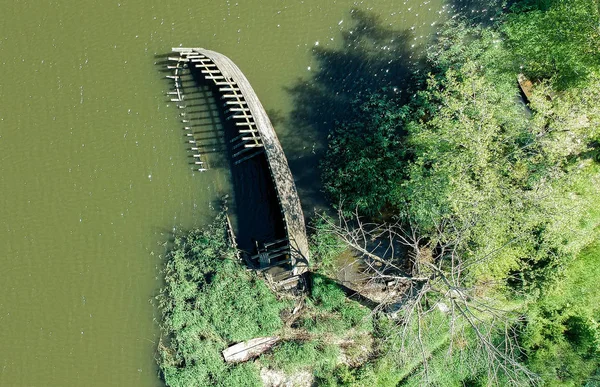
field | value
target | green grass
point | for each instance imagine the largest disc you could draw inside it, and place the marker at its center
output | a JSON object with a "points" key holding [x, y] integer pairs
{"points": [[562, 335], [292, 356]]}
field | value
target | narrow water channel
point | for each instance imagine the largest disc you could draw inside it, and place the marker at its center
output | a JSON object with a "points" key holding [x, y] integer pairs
{"points": [[94, 171]]}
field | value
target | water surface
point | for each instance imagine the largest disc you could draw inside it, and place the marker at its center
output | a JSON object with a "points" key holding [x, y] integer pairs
{"points": [[94, 171]]}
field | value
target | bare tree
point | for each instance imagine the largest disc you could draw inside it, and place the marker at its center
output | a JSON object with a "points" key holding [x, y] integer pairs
{"points": [[427, 275]]}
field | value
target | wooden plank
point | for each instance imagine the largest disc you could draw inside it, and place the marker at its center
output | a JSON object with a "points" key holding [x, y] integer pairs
{"points": [[247, 350], [241, 152], [247, 158], [236, 138], [276, 242], [272, 253], [238, 145], [181, 49]]}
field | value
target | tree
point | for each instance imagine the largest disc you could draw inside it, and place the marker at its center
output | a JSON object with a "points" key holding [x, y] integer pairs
{"points": [[440, 304], [562, 42], [489, 196], [364, 159]]}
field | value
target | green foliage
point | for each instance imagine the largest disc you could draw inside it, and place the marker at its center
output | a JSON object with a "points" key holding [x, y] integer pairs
{"points": [[291, 356], [324, 245], [513, 189], [334, 312], [562, 336], [363, 161], [343, 375], [560, 41], [210, 301]]}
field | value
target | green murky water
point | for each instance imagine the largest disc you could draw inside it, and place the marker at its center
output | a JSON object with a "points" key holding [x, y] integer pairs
{"points": [[94, 173]]}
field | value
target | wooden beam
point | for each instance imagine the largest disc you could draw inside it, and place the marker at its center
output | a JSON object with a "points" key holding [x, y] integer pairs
{"points": [[241, 152], [247, 158]]}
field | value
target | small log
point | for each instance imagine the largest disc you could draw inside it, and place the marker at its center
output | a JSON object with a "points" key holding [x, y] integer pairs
{"points": [[249, 349]]}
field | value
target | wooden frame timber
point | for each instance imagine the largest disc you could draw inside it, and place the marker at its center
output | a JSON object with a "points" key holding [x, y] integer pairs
{"points": [[256, 135]]}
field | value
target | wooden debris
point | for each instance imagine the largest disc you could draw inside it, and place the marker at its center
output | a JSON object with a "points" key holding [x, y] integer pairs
{"points": [[526, 86], [247, 350]]}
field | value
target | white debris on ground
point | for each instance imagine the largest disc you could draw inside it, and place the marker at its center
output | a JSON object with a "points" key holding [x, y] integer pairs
{"points": [[272, 378]]}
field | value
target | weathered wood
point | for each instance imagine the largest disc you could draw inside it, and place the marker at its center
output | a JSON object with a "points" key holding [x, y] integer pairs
{"points": [[234, 80], [267, 245], [247, 158], [273, 252], [249, 349], [239, 145], [241, 116], [241, 152], [526, 86]]}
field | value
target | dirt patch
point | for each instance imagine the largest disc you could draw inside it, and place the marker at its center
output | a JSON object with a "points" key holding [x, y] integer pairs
{"points": [[272, 378]]}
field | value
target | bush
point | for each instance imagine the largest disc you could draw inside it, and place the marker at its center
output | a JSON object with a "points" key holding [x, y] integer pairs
{"points": [[210, 301], [561, 336]]}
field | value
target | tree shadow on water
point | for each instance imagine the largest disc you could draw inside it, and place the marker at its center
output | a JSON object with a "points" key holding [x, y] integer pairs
{"points": [[373, 58], [483, 12]]}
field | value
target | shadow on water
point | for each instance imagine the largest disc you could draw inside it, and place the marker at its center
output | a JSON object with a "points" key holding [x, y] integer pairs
{"points": [[373, 58], [483, 12], [257, 217], [213, 142]]}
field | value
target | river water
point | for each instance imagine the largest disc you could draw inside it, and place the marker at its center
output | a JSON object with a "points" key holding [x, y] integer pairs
{"points": [[94, 172]]}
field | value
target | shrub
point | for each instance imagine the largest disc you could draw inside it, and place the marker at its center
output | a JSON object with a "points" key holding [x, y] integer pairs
{"points": [[208, 302]]}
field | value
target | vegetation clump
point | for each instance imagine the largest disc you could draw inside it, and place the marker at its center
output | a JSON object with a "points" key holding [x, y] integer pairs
{"points": [[209, 302], [500, 191]]}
